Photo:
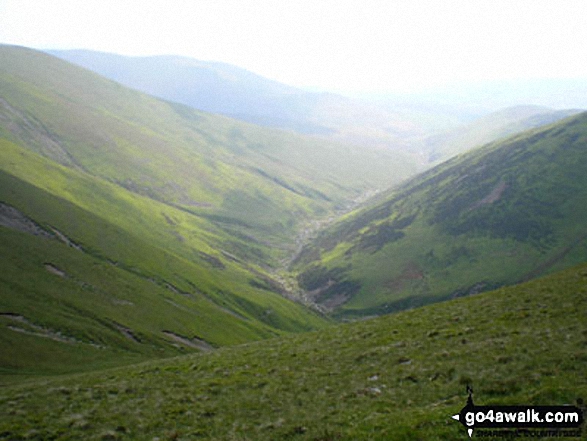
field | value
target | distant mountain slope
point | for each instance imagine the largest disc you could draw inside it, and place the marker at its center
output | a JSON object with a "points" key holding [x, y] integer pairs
{"points": [[232, 91], [504, 213], [489, 128], [210, 86], [399, 377]]}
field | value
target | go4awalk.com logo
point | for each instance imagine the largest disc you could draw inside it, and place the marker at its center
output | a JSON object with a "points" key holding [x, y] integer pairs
{"points": [[520, 421]]}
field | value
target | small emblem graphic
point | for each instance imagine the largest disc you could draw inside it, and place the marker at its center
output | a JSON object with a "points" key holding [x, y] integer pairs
{"points": [[517, 417]]}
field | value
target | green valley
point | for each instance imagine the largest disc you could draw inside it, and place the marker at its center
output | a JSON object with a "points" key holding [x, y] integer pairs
{"points": [[504, 213], [104, 278], [293, 221], [134, 228], [255, 183]]}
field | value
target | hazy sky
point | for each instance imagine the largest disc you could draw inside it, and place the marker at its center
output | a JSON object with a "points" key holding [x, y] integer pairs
{"points": [[361, 45]]}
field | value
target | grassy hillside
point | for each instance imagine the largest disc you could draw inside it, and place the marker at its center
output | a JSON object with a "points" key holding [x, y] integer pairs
{"points": [[398, 377], [95, 275], [257, 184], [133, 228], [504, 213]]}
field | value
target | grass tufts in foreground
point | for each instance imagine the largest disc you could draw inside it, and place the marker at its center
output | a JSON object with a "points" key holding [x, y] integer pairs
{"points": [[396, 377]]}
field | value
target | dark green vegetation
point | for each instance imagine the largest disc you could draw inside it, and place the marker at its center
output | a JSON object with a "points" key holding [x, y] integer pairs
{"points": [[502, 214], [398, 377], [134, 228]]}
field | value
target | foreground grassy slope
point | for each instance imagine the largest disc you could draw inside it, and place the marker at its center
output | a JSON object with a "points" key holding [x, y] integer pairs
{"points": [[95, 275], [259, 185], [400, 377], [504, 213]]}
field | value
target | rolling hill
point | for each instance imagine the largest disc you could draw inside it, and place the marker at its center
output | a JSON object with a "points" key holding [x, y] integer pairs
{"points": [[94, 275], [134, 228], [504, 213], [425, 133], [209, 86], [235, 92], [398, 377], [259, 184]]}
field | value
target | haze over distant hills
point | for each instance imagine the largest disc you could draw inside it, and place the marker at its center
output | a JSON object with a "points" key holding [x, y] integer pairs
{"points": [[235, 92], [489, 128], [473, 99], [210, 86], [414, 124]]}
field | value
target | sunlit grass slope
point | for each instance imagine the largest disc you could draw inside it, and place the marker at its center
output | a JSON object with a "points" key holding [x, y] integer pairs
{"points": [[110, 277], [502, 214], [258, 184], [157, 225], [398, 377]]}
